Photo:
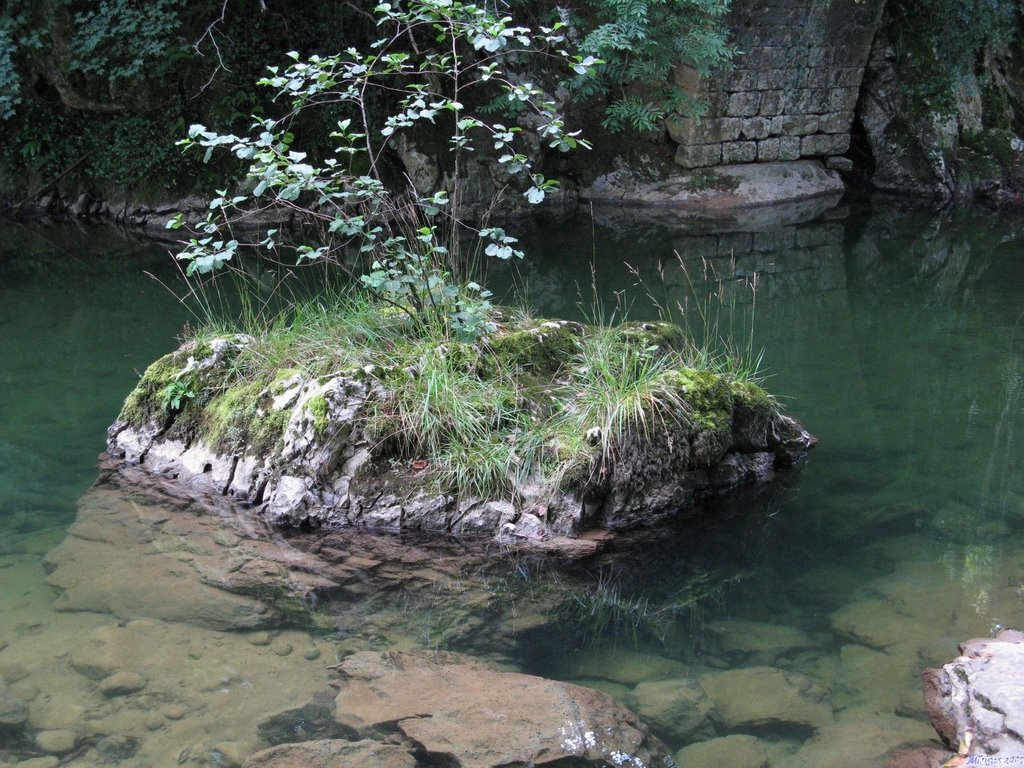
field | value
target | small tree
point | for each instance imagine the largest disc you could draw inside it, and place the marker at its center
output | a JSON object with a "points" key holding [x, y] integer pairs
{"points": [[433, 59]]}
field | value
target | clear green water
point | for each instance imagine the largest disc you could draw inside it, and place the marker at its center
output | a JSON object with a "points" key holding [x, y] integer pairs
{"points": [[896, 336]]}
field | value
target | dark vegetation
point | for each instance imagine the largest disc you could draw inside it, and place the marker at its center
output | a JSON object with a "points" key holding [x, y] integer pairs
{"points": [[97, 93]]}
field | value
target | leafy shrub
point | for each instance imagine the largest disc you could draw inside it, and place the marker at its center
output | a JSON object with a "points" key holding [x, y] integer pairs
{"points": [[434, 56]]}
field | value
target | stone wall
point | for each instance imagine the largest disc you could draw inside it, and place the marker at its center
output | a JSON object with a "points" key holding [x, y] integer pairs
{"points": [[793, 87]]}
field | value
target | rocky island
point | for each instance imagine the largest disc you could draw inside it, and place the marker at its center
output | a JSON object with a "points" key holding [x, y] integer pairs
{"points": [[545, 430]]}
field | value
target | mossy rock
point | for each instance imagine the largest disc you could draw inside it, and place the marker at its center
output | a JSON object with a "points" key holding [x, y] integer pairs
{"points": [[197, 370], [146, 401], [977, 166], [661, 337], [241, 419], [994, 145], [709, 396], [543, 348]]}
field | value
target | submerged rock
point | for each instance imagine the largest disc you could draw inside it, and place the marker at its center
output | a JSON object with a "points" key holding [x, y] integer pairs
{"points": [[858, 741], [455, 706], [300, 451], [754, 697], [981, 693], [733, 751], [331, 753], [122, 683], [678, 708], [13, 711]]}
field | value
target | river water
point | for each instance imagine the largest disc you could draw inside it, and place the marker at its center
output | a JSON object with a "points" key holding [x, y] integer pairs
{"points": [[805, 610]]}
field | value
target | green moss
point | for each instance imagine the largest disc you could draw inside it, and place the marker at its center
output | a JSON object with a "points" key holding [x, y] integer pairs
{"points": [[901, 134], [992, 147], [146, 400], [202, 350], [317, 407], [709, 396], [976, 166], [240, 418], [665, 337], [995, 106], [750, 395], [543, 348], [709, 180]]}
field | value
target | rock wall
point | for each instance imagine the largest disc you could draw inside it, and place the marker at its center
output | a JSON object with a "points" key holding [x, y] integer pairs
{"points": [[963, 145], [793, 88]]}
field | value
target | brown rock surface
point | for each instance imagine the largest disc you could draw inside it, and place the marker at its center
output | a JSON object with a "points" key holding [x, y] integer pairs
{"points": [[332, 753], [453, 705]]}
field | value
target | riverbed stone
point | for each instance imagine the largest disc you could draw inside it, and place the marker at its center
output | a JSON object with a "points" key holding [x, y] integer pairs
{"points": [[858, 741], [281, 647], [56, 742], [762, 696], [174, 711], [116, 747], [680, 709], [40, 762], [735, 751], [13, 710], [454, 705], [873, 679], [122, 684], [622, 665], [119, 557], [755, 637], [331, 753]]}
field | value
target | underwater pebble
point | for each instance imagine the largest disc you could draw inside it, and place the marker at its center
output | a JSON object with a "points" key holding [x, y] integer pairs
{"points": [[175, 712], [311, 653], [229, 754], [40, 762], [13, 711], [122, 683], [154, 721], [281, 647], [115, 747], [259, 638], [56, 742], [25, 691]]}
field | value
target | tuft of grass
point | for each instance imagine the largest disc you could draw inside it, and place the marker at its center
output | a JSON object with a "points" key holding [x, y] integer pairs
{"points": [[714, 338], [616, 390], [437, 406]]}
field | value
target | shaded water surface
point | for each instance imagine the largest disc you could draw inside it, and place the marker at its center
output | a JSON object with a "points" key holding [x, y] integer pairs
{"points": [[787, 626]]}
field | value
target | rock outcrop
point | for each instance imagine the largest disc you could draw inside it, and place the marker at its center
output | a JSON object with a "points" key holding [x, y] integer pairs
{"points": [[306, 451], [963, 148], [976, 702]]}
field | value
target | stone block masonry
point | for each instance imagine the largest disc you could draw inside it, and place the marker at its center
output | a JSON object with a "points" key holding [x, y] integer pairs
{"points": [[793, 88]]}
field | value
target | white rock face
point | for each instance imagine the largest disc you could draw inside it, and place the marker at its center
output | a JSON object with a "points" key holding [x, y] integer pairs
{"points": [[981, 693]]}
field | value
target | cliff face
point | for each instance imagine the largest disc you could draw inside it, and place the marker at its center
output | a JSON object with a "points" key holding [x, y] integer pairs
{"points": [[954, 136]]}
